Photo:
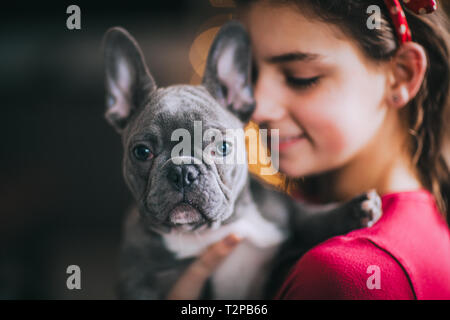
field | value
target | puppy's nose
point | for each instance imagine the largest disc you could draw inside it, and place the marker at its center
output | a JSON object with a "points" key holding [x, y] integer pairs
{"points": [[182, 176]]}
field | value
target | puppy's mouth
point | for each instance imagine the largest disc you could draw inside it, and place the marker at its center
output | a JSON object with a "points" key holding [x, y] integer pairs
{"points": [[185, 216]]}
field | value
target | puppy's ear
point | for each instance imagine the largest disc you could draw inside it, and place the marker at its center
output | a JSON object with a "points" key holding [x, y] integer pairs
{"points": [[228, 70], [128, 81]]}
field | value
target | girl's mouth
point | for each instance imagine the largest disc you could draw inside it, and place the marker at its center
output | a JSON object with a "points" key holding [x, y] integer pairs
{"points": [[286, 142]]}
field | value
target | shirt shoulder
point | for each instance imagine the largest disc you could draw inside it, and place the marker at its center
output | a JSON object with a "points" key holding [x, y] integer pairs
{"points": [[347, 268]]}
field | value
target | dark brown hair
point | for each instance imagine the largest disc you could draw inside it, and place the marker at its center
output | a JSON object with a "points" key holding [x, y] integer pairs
{"points": [[427, 113]]}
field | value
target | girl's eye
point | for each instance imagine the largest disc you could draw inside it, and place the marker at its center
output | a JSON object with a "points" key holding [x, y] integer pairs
{"points": [[302, 83], [142, 153], [223, 148]]}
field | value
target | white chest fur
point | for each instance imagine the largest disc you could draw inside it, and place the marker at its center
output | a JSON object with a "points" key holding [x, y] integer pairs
{"points": [[243, 273]]}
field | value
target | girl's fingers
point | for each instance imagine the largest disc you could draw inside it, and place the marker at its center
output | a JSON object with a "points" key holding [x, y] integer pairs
{"points": [[215, 254], [191, 283]]}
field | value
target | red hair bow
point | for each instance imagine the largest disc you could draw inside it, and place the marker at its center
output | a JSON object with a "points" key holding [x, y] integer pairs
{"points": [[399, 19]]}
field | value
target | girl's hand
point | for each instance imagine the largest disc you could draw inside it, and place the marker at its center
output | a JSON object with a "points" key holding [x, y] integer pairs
{"points": [[190, 284]]}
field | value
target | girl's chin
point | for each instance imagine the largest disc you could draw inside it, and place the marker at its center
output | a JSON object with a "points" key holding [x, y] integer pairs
{"points": [[294, 169], [299, 167]]}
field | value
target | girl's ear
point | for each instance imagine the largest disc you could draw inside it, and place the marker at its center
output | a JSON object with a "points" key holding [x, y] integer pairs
{"points": [[408, 70]]}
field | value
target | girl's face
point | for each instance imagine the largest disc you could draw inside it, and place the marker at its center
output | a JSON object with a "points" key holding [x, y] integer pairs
{"points": [[314, 85]]}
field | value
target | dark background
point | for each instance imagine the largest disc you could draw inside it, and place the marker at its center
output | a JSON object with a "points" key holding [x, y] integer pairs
{"points": [[62, 196]]}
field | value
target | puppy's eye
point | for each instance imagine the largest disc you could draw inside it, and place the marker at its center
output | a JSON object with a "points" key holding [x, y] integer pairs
{"points": [[223, 148], [142, 153]]}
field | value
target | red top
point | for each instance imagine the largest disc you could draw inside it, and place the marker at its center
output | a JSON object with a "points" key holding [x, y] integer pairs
{"points": [[405, 255]]}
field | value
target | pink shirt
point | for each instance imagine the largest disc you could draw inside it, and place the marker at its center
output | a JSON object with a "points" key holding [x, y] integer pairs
{"points": [[405, 255]]}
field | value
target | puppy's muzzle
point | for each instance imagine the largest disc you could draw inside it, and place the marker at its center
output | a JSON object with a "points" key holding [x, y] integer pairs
{"points": [[183, 176]]}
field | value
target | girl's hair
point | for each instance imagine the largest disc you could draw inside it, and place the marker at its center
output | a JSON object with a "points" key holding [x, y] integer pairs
{"points": [[427, 112]]}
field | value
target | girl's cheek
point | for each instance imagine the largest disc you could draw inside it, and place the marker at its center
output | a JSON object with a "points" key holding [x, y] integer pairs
{"points": [[331, 128], [329, 140], [341, 136], [323, 122]]}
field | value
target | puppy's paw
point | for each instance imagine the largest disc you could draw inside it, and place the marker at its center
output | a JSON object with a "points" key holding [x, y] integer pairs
{"points": [[370, 210]]}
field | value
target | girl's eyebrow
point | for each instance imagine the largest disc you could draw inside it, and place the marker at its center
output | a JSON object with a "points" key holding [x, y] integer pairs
{"points": [[293, 56]]}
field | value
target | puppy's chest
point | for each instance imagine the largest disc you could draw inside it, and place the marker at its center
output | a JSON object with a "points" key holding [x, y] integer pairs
{"points": [[242, 274]]}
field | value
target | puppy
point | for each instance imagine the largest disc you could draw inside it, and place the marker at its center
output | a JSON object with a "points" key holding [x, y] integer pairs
{"points": [[184, 203]]}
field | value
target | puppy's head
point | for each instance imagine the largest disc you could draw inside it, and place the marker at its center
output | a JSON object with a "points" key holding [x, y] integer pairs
{"points": [[176, 145]]}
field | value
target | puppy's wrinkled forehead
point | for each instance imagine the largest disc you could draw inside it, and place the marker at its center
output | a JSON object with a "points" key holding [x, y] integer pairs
{"points": [[181, 106]]}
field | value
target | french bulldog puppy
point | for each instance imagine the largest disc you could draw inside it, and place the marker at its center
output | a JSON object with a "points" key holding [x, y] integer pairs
{"points": [[182, 205]]}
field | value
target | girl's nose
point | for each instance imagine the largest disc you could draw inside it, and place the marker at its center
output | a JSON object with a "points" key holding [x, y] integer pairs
{"points": [[269, 106]]}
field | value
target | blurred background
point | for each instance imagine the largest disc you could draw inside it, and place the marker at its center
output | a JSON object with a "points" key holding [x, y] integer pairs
{"points": [[62, 195]]}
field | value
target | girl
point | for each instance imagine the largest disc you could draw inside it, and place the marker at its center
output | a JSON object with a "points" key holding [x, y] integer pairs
{"points": [[357, 108]]}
